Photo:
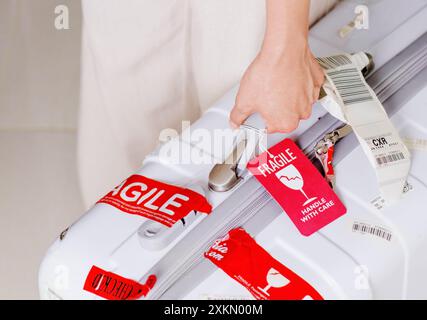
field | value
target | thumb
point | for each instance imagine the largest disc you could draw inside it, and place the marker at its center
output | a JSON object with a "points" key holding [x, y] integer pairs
{"points": [[238, 115]]}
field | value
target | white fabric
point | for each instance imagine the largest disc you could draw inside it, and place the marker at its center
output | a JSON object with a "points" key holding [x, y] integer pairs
{"points": [[147, 65]]}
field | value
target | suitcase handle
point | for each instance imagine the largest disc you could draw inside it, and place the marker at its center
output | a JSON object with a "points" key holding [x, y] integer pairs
{"points": [[224, 176]]}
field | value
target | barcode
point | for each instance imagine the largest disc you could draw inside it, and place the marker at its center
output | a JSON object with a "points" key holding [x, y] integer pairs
{"points": [[333, 61], [390, 158], [350, 85], [373, 230]]}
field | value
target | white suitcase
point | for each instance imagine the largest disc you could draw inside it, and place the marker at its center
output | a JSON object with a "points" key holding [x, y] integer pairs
{"points": [[342, 260]]}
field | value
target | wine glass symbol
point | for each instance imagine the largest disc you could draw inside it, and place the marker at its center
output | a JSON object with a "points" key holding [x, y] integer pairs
{"points": [[274, 279], [291, 177]]}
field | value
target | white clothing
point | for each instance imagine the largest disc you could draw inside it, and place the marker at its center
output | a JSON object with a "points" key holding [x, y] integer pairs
{"points": [[147, 65]]}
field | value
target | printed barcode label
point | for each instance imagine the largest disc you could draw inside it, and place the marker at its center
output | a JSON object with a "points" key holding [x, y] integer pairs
{"points": [[390, 158], [333, 62], [372, 230], [350, 85]]}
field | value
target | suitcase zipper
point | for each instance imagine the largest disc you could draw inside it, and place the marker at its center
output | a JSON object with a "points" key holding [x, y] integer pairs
{"points": [[173, 266], [234, 219], [332, 137], [193, 257], [324, 151]]}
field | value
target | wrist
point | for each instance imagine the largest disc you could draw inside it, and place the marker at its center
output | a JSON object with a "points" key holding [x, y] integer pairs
{"points": [[288, 48]]}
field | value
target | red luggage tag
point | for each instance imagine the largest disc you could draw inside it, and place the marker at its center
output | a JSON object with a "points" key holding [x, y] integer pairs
{"points": [[244, 260], [294, 182], [111, 286], [155, 200]]}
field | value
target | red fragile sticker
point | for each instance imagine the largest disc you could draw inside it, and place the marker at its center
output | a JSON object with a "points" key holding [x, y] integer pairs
{"points": [[294, 182], [155, 200], [111, 286], [244, 260]]}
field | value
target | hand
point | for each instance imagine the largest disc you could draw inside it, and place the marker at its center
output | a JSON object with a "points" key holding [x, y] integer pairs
{"points": [[281, 87]]}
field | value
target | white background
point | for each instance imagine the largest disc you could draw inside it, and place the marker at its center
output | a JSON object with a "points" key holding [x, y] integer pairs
{"points": [[39, 85]]}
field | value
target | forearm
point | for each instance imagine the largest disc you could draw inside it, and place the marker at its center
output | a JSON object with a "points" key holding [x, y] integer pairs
{"points": [[284, 80], [287, 26]]}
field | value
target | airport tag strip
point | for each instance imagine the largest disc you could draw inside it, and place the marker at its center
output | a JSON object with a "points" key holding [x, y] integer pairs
{"points": [[297, 186], [245, 261], [155, 200], [111, 286], [351, 100]]}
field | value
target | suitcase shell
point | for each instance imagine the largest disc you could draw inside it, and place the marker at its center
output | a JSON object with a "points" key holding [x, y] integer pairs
{"points": [[337, 261]]}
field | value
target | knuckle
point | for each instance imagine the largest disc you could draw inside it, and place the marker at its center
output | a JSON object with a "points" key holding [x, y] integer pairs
{"points": [[305, 114], [271, 130], [270, 126], [288, 126], [320, 80], [236, 117], [233, 113], [273, 127], [240, 110], [291, 127], [315, 97], [237, 107], [233, 118], [244, 108]]}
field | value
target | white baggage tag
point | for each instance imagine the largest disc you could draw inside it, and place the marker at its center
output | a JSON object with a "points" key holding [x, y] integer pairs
{"points": [[355, 103]]}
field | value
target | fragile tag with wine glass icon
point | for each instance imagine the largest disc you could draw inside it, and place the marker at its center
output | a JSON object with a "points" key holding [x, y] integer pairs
{"points": [[245, 261], [294, 182]]}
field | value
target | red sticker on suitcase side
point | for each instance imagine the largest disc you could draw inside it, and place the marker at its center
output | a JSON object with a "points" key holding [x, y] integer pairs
{"points": [[294, 182], [155, 200], [111, 286], [238, 255]]}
